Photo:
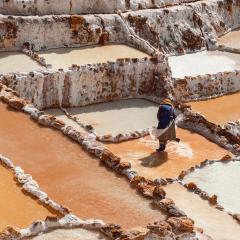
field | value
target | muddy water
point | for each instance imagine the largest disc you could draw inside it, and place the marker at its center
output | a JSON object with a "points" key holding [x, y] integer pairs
{"points": [[74, 234], [17, 62], [118, 116], [206, 62], [65, 57], [219, 110], [217, 224], [222, 179], [69, 175], [231, 39], [192, 150], [16, 208]]}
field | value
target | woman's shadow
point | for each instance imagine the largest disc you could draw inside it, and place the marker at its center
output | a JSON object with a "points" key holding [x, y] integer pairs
{"points": [[154, 160]]}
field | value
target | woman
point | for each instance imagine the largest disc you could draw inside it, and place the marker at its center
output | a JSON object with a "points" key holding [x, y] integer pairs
{"points": [[166, 130]]}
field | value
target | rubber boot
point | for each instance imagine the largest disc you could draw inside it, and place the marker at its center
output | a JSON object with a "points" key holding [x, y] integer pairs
{"points": [[161, 148]]}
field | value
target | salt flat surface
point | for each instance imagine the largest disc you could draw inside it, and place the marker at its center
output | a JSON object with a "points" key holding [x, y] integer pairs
{"points": [[219, 225], [205, 62], [219, 110], [118, 116], [231, 39], [71, 234], [65, 57], [17, 62], [178, 156], [221, 179]]}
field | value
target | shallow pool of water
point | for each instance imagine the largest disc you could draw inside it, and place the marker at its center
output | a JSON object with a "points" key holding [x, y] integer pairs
{"points": [[219, 225], [219, 110], [65, 57], [222, 179], [192, 150], [231, 39], [69, 175], [118, 116], [17, 62], [71, 234], [205, 62], [16, 208]]}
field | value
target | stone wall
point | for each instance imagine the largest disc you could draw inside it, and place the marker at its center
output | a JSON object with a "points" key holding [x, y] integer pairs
{"points": [[43, 7], [185, 28], [206, 86], [177, 29], [89, 84]]}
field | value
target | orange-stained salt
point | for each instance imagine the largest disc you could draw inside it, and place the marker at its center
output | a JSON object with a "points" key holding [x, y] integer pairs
{"points": [[219, 110], [192, 150], [69, 175], [16, 208]]}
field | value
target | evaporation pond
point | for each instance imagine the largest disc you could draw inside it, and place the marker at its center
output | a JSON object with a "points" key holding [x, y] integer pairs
{"points": [[222, 179], [219, 225], [65, 57], [71, 176], [11, 62], [231, 39], [219, 110], [16, 208], [192, 150], [205, 62], [71, 234], [116, 117]]}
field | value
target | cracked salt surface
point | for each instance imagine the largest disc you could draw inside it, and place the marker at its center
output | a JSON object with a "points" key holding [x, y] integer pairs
{"points": [[222, 179], [205, 62]]}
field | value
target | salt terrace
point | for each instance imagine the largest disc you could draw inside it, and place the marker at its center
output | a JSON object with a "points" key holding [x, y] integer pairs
{"points": [[80, 86]]}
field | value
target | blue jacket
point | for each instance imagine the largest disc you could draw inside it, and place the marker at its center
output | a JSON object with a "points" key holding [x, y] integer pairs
{"points": [[165, 115]]}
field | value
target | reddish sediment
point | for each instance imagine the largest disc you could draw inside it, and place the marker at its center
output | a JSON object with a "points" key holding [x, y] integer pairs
{"points": [[69, 175]]}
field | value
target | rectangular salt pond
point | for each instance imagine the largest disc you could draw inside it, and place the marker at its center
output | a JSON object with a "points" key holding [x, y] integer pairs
{"points": [[16, 208], [71, 234], [71, 176], [231, 39], [59, 114], [11, 62], [65, 57], [219, 225], [205, 62], [142, 154], [222, 179], [219, 110], [117, 117]]}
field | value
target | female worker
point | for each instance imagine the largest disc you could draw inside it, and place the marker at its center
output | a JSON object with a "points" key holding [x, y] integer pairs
{"points": [[166, 129]]}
